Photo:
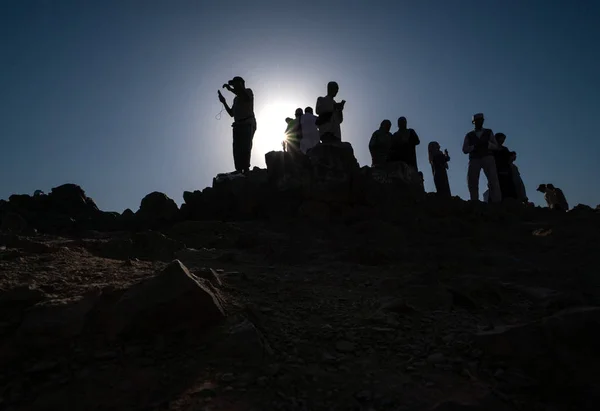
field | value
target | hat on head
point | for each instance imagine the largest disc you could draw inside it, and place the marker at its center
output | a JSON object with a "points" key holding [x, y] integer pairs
{"points": [[477, 116], [541, 187], [236, 79]]}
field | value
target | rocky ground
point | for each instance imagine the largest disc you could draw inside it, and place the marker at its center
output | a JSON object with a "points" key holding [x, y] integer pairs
{"points": [[464, 308]]}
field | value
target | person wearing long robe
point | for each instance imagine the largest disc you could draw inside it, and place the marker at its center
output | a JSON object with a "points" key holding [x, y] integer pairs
{"points": [[517, 180], [439, 167], [502, 158], [379, 145]]}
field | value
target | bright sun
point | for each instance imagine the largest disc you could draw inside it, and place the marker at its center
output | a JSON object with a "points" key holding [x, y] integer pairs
{"points": [[271, 125]]}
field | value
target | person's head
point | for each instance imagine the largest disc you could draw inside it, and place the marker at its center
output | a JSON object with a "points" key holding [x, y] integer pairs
{"points": [[298, 112], [433, 146], [288, 119], [308, 110], [386, 125], [513, 156], [332, 89], [500, 138], [478, 120], [542, 188], [237, 83], [550, 186], [402, 123]]}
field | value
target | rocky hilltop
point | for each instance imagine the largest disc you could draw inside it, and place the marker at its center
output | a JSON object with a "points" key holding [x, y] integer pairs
{"points": [[312, 285]]}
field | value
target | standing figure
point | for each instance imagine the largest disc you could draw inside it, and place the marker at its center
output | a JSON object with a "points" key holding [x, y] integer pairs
{"points": [[439, 167], [244, 122], [310, 133], [478, 144], [380, 143], [502, 158], [404, 144], [331, 115], [517, 180], [293, 132]]}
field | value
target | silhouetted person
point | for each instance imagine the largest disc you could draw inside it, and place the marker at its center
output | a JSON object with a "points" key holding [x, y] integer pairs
{"points": [[330, 115], [439, 167], [479, 144], [380, 144], [293, 133], [517, 180], [502, 159], [554, 197], [404, 144], [310, 133], [244, 122]]}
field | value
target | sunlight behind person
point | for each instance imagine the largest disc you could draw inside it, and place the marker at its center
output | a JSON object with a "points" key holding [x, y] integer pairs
{"points": [[271, 125]]}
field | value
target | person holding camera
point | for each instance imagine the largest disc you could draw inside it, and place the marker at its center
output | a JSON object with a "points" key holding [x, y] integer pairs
{"points": [[479, 145], [330, 115], [244, 122]]}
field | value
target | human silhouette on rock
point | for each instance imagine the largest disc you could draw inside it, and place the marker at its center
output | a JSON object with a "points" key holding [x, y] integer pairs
{"points": [[502, 158], [439, 167], [517, 180], [380, 143], [310, 132], [244, 121], [293, 132], [331, 115], [479, 144], [404, 144]]}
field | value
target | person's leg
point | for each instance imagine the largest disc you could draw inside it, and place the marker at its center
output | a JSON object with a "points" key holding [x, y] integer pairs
{"points": [[473, 173], [237, 149], [491, 173]]}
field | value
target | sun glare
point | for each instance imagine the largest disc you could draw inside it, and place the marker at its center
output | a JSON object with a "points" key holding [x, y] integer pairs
{"points": [[271, 125]]}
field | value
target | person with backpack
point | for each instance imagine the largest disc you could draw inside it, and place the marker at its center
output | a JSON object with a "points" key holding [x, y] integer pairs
{"points": [[330, 115], [379, 145], [244, 122], [479, 144]]}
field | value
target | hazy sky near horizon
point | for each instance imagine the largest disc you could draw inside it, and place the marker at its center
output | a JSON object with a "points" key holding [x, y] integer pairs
{"points": [[120, 96]]}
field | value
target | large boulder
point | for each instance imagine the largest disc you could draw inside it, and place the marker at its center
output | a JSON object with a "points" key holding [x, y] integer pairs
{"points": [[174, 300], [333, 168], [155, 209], [70, 199]]}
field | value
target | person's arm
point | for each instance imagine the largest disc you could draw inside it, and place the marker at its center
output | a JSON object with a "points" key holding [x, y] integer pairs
{"points": [[319, 106], [225, 105], [414, 138], [467, 148]]}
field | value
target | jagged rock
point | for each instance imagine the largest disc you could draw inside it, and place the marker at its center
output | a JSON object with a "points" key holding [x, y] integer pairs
{"points": [[157, 207], [56, 320], [174, 299], [333, 169], [23, 296], [581, 208], [128, 215], [70, 199]]}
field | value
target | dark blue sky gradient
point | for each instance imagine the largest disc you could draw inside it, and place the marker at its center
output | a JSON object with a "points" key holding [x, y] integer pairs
{"points": [[120, 96]]}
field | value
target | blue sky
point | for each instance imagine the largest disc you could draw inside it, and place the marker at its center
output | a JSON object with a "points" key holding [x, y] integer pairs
{"points": [[120, 96]]}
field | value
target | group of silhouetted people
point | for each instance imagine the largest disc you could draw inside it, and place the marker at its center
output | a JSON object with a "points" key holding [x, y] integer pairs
{"points": [[485, 149]]}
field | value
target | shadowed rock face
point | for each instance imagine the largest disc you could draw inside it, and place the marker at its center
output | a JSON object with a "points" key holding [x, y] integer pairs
{"points": [[313, 284]]}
